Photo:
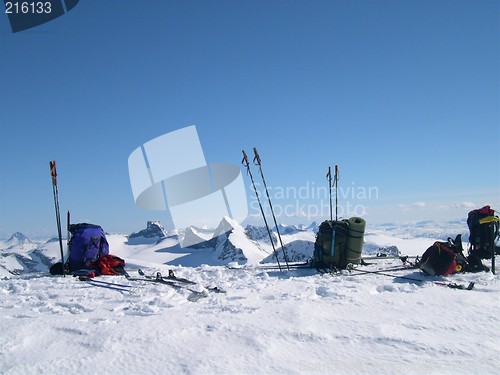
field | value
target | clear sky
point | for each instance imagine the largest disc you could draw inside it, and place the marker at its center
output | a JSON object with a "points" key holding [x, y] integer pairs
{"points": [[403, 95]]}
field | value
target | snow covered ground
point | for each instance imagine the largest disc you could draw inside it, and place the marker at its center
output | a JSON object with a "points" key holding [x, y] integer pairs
{"points": [[267, 322]]}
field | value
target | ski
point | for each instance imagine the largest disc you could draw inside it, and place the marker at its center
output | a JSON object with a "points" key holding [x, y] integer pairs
{"points": [[382, 256], [456, 286], [160, 280], [440, 283], [399, 268], [117, 287], [194, 297], [86, 278], [291, 266], [171, 277]]}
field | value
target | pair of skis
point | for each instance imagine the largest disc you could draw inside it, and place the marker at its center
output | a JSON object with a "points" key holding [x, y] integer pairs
{"points": [[439, 283], [177, 283], [171, 280], [258, 162], [271, 267], [407, 265], [193, 297]]}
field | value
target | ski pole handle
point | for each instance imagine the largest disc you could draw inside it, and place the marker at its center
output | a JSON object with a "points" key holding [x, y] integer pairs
{"points": [[53, 172], [244, 161], [257, 156]]}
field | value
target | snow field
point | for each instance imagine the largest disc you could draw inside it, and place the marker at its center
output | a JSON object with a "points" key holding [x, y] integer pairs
{"points": [[296, 322], [268, 322]]}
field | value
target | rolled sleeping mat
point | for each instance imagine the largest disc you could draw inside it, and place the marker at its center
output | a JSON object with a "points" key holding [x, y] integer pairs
{"points": [[355, 241]]}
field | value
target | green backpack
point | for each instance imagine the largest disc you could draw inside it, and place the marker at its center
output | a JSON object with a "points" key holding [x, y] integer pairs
{"points": [[324, 255]]}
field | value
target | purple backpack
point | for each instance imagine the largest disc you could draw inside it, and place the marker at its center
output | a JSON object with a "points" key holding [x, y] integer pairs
{"points": [[87, 244]]}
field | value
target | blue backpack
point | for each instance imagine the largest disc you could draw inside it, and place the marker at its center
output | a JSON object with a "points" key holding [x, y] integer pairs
{"points": [[87, 244]]}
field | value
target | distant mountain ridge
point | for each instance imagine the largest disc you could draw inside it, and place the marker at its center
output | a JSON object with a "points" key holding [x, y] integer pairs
{"points": [[19, 255], [153, 233], [19, 240], [229, 242]]}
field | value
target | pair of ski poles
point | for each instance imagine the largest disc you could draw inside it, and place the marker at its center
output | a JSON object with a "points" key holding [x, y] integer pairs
{"points": [[55, 190], [257, 161], [333, 182]]}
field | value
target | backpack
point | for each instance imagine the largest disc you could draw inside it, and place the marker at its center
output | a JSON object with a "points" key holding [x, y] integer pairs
{"points": [[323, 245], [87, 244], [444, 258], [481, 235]]}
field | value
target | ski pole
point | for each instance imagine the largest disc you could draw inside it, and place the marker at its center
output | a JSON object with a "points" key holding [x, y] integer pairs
{"points": [[257, 161], [335, 182], [53, 173], [246, 164], [383, 256], [329, 178], [68, 236]]}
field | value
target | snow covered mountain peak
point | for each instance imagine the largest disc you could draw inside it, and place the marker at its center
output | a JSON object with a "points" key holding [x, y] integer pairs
{"points": [[153, 233], [18, 237], [226, 225], [18, 241], [196, 237]]}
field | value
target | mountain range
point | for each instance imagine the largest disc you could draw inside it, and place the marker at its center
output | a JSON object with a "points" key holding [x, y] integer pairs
{"points": [[230, 242]]}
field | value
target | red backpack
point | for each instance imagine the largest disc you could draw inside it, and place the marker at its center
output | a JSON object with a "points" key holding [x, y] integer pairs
{"points": [[444, 258], [109, 265]]}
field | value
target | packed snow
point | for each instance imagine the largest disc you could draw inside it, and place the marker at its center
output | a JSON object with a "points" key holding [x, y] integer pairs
{"points": [[267, 322]]}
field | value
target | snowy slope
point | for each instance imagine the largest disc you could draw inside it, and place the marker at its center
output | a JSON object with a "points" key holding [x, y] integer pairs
{"points": [[296, 322]]}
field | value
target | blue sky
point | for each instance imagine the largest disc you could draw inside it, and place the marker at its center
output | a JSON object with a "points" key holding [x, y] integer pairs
{"points": [[403, 95]]}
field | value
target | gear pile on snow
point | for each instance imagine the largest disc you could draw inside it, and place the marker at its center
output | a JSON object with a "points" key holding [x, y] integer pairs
{"points": [[339, 243], [89, 251], [445, 258]]}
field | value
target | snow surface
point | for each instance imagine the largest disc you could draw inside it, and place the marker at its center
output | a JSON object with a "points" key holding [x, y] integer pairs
{"points": [[268, 322]]}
